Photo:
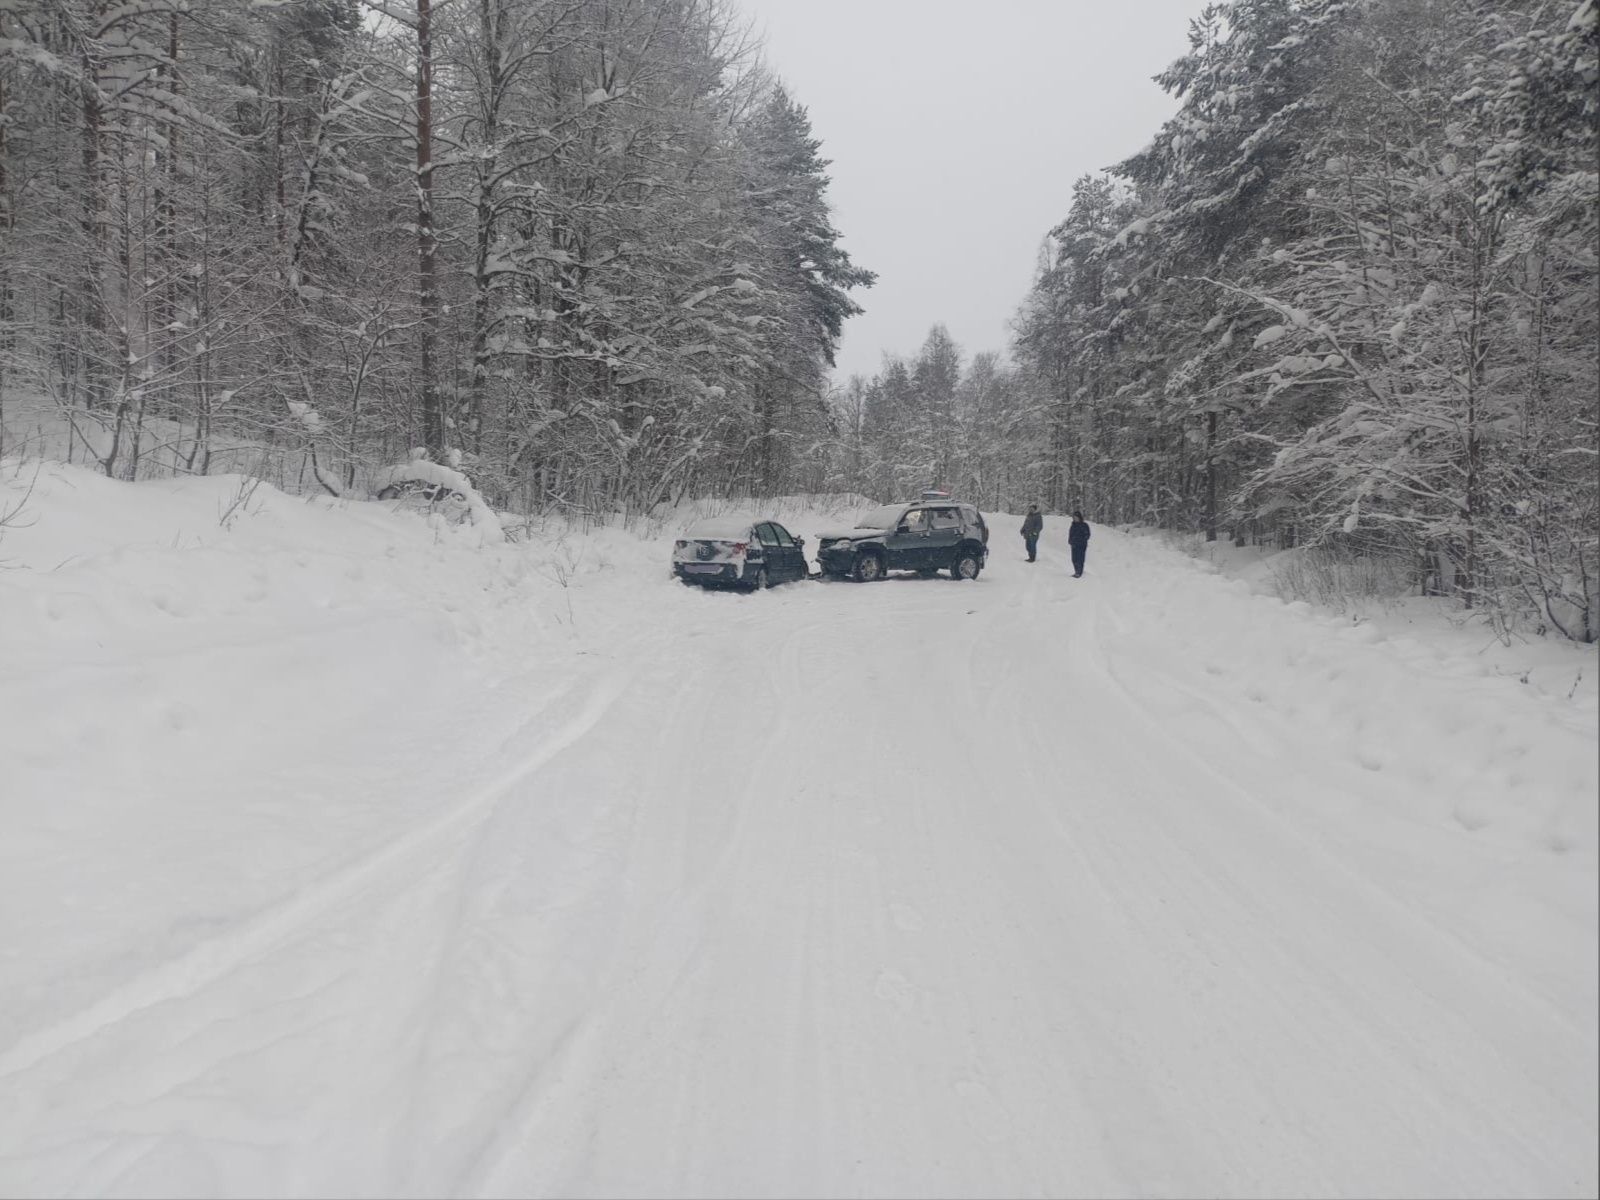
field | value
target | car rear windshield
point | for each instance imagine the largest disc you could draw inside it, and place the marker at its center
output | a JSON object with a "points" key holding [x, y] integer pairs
{"points": [[728, 529], [886, 517]]}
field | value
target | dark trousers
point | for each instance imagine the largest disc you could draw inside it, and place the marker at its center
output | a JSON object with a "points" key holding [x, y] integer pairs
{"points": [[1077, 559], [1032, 543]]}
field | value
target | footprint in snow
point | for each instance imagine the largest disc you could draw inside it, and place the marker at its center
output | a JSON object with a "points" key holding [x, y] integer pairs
{"points": [[894, 988], [170, 605], [983, 1109], [906, 918]]}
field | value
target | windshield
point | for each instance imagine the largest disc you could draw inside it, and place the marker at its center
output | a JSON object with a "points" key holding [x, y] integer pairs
{"points": [[733, 529], [886, 517]]}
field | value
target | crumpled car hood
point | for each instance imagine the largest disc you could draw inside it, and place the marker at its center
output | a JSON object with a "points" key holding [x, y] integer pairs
{"points": [[852, 534]]}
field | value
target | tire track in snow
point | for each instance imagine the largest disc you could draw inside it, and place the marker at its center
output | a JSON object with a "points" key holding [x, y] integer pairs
{"points": [[537, 1068], [332, 629], [572, 1060], [257, 935], [568, 1059]]}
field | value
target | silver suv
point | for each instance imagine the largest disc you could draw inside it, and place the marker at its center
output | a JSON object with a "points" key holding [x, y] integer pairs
{"points": [[926, 537]]}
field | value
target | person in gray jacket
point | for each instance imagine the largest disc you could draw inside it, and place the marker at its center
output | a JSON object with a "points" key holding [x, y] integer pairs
{"points": [[1032, 525]]}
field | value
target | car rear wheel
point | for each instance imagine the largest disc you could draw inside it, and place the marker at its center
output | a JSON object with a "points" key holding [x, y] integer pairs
{"points": [[869, 568], [762, 582], [965, 566]]}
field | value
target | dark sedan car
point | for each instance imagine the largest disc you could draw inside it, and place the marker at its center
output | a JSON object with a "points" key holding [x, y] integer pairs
{"points": [[739, 552]]}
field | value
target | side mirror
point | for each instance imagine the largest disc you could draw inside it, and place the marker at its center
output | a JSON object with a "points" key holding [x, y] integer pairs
{"points": [[799, 541]]}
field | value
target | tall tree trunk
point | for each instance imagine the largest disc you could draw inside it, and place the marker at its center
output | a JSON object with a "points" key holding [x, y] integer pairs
{"points": [[91, 284], [166, 299], [491, 21], [1061, 384], [427, 243], [1211, 476], [7, 335], [279, 117]]}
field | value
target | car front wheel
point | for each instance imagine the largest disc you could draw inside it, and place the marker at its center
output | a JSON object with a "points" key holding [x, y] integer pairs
{"points": [[966, 566], [869, 568]]}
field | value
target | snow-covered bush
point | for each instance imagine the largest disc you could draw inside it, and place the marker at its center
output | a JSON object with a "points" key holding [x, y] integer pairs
{"points": [[441, 489]]}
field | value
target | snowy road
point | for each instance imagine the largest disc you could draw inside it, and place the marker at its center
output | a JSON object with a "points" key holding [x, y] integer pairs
{"points": [[1033, 886]]}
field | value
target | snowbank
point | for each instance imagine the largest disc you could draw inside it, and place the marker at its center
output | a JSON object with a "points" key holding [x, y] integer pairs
{"points": [[1373, 598], [1399, 739]]}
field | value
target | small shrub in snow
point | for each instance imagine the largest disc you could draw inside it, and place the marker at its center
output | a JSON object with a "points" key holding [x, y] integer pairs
{"points": [[1334, 575], [239, 504], [13, 509]]}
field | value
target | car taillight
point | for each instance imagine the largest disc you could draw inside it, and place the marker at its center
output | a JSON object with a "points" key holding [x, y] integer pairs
{"points": [[680, 544], [738, 547]]}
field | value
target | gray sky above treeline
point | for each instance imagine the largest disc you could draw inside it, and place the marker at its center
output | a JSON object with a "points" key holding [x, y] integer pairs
{"points": [[956, 131]]}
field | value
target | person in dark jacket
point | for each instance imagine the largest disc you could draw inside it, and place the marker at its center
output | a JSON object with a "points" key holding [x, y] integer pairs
{"points": [[1078, 539], [1032, 524]]}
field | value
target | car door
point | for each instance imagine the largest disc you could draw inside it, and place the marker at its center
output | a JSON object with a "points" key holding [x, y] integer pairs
{"points": [[944, 535], [771, 552], [908, 550], [794, 558], [977, 527]]}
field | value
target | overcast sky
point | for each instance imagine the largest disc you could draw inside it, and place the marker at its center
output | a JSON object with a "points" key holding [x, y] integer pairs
{"points": [[956, 130]]}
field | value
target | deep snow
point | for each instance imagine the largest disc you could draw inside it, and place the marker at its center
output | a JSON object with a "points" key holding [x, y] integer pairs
{"points": [[344, 856]]}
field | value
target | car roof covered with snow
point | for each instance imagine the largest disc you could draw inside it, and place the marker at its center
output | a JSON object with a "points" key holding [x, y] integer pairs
{"points": [[723, 527]]}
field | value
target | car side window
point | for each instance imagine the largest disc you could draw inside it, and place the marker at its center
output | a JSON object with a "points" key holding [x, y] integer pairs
{"points": [[782, 535], [946, 518], [917, 520], [765, 535]]}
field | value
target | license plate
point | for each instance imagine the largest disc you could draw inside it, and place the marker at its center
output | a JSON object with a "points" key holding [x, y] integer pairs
{"points": [[703, 568]]}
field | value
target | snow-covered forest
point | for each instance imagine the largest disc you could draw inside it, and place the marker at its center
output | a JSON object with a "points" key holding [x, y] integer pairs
{"points": [[581, 246], [1345, 298]]}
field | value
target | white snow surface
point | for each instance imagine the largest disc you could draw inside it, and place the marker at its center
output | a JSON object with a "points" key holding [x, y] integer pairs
{"points": [[346, 856]]}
